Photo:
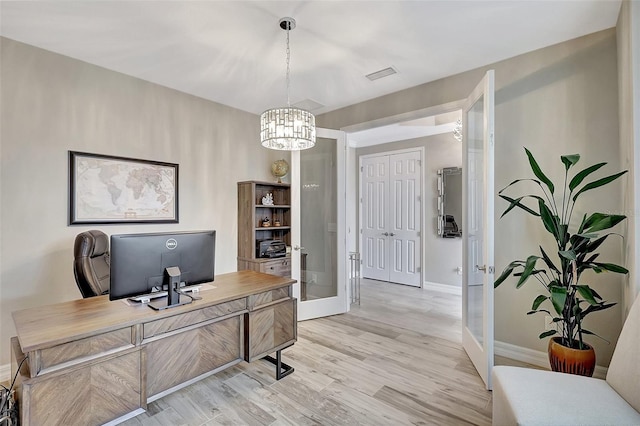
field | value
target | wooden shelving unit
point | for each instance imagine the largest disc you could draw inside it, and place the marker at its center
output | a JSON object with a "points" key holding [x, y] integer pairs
{"points": [[251, 214]]}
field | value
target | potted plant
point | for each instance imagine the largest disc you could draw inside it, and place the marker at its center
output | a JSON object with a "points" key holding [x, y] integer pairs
{"points": [[566, 297]]}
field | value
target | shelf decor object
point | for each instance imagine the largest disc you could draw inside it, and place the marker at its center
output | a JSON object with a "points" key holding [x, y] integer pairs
{"points": [[107, 189], [287, 128], [279, 169]]}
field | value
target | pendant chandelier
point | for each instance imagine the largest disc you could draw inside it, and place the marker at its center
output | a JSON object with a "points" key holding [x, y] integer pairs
{"points": [[287, 128]]}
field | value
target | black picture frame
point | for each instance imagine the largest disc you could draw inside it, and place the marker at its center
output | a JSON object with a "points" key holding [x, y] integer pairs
{"points": [[106, 189]]}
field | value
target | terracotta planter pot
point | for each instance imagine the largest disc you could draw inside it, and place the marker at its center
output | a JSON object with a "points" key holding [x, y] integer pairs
{"points": [[573, 361]]}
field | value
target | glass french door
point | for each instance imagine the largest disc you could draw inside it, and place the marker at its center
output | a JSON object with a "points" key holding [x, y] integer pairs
{"points": [[477, 231], [319, 259]]}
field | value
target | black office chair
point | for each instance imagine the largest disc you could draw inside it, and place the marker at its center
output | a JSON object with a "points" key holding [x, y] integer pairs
{"points": [[91, 263]]}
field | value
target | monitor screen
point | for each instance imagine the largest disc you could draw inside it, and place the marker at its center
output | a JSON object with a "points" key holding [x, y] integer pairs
{"points": [[138, 261]]}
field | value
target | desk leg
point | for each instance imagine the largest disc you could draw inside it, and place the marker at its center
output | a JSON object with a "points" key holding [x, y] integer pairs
{"points": [[282, 369]]}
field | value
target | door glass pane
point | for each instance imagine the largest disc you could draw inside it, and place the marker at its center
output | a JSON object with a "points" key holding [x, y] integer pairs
{"points": [[475, 167], [318, 221]]}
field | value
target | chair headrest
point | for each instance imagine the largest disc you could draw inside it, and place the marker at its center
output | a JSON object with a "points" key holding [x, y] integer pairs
{"points": [[91, 243]]}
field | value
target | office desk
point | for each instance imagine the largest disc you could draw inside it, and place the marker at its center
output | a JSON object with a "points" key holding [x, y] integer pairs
{"points": [[92, 361]]}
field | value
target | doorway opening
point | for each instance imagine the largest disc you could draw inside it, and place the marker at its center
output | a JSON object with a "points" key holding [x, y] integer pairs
{"points": [[398, 197]]}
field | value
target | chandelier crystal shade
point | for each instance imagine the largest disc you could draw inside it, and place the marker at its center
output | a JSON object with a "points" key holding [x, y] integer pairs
{"points": [[287, 128]]}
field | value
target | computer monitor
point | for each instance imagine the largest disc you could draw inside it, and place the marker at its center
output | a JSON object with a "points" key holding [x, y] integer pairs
{"points": [[138, 261]]}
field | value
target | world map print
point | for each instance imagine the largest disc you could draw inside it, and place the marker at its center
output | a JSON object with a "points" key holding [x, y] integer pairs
{"points": [[109, 189]]}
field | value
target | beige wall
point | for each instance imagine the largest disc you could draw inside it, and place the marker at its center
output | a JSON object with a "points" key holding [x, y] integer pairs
{"points": [[441, 256], [558, 100], [628, 38], [52, 104]]}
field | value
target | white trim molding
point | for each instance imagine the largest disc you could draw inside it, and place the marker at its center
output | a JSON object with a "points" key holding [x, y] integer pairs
{"points": [[443, 288], [537, 358]]}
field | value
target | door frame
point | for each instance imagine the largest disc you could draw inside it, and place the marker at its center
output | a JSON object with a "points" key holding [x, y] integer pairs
{"points": [[420, 149]]}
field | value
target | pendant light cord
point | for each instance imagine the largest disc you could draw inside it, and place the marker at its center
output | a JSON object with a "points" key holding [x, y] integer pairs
{"points": [[288, 60]]}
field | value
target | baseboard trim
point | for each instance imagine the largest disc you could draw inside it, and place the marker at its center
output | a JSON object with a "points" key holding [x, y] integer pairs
{"points": [[531, 356], [5, 373], [443, 288]]}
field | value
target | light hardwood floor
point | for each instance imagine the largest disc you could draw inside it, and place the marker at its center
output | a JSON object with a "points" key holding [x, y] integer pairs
{"points": [[396, 359]]}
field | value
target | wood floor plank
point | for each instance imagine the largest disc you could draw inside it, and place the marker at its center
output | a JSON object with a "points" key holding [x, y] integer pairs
{"points": [[373, 411], [424, 409], [397, 359]]}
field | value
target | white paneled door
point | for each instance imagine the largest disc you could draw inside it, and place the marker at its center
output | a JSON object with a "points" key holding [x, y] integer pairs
{"points": [[391, 217], [477, 230]]}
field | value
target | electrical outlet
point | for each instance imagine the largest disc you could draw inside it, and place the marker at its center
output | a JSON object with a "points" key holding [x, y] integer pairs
{"points": [[548, 323]]}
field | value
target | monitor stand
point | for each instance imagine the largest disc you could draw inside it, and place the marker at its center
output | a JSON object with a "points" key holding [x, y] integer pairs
{"points": [[174, 297]]}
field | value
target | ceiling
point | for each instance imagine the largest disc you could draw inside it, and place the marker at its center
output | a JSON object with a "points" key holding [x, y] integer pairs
{"points": [[233, 52]]}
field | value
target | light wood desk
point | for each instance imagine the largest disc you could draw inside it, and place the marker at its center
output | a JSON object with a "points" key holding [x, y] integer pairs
{"points": [[92, 361]]}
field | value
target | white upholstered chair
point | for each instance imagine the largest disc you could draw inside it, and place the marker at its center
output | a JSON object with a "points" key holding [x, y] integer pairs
{"points": [[523, 396]]}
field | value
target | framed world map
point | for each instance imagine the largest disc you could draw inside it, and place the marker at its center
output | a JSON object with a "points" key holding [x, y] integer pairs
{"points": [[107, 189]]}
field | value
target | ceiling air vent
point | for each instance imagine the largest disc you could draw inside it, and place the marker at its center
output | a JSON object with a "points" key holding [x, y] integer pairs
{"points": [[308, 104], [382, 73]]}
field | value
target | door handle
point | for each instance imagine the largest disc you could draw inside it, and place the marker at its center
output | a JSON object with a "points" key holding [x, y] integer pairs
{"points": [[297, 247], [386, 234], [482, 268], [391, 234]]}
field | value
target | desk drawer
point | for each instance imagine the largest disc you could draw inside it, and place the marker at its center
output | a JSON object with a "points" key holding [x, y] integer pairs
{"points": [[92, 394], [81, 350], [176, 322], [270, 328], [268, 297], [281, 267], [184, 356]]}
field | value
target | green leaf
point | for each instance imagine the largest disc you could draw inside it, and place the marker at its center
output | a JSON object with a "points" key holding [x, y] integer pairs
{"points": [[599, 221], [584, 220], [586, 292], [516, 203], [591, 333], [598, 183], [528, 270], [547, 334], [548, 261], [579, 177], [611, 267], [538, 172], [593, 245], [516, 181], [568, 254], [558, 298], [598, 307], [507, 271], [586, 236], [538, 311], [538, 301], [548, 219], [570, 160]]}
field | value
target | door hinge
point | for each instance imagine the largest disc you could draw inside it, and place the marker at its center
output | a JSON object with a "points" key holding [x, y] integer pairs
{"points": [[418, 269], [361, 230], [361, 169]]}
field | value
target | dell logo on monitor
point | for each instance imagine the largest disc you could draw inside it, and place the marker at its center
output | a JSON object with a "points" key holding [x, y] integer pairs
{"points": [[171, 243]]}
